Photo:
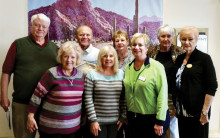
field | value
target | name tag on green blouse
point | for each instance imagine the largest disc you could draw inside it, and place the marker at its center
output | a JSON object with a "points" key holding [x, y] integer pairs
{"points": [[141, 78]]}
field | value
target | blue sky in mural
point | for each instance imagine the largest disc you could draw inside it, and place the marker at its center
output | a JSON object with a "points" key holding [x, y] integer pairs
{"points": [[34, 4], [146, 7]]}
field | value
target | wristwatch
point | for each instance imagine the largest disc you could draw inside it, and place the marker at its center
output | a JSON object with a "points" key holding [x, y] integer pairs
{"points": [[205, 113]]}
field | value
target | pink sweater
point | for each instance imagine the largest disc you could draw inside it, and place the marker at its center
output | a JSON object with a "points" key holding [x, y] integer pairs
{"points": [[61, 101]]}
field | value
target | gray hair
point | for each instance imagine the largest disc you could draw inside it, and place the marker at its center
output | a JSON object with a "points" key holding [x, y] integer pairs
{"points": [[41, 16], [165, 29]]}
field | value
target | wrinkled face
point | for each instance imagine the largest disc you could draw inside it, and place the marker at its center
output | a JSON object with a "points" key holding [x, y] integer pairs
{"points": [[165, 39], [121, 43], [68, 60], [39, 28], [188, 41], [108, 60], [138, 48], [84, 37]]}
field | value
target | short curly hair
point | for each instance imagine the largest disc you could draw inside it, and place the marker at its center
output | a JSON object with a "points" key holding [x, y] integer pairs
{"points": [[141, 35], [41, 16], [70, 46]]}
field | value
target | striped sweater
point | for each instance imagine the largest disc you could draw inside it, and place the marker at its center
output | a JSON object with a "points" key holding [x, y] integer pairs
{"points": [[104, 97], [61, 101]]}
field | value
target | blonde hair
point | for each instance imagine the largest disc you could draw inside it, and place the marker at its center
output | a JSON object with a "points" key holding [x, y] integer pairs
{"points": [[70, 46], [103, 51], [189, 30], [41, 16], [120, 33], [140, 35]]}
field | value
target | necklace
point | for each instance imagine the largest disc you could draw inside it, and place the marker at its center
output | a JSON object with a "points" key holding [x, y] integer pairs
{"points": [[71, 82]]}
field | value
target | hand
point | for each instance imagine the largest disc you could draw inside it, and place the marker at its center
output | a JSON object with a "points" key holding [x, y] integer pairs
{"points": [[204, 119], [119, 123], [31, 123], [158, 129], [94, 128], [5, 103]]}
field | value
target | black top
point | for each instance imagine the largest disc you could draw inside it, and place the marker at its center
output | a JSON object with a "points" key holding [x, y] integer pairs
{"points": [[198, 79], [166, 59]]}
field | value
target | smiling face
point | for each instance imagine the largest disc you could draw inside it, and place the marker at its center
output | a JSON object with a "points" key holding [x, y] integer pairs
{"points": [[84, 36], [138, 47], [39, 28], [121, 43], [108, 60], [165, 40], [68, 60]]}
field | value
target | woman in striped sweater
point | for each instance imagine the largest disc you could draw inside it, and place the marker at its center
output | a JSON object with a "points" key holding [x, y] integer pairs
{"points": [[60, 93], [104, 98]]}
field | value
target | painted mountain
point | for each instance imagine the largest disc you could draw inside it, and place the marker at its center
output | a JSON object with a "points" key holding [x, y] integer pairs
{"points": [[67, 15]]}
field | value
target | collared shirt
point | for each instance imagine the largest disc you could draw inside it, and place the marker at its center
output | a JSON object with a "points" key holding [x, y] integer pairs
{"points": [[127, 59], [91, 54], [146, 92]]}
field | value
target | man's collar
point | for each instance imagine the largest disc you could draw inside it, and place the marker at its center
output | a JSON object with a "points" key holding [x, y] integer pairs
{"points": [[45, 42], [89, 49]]}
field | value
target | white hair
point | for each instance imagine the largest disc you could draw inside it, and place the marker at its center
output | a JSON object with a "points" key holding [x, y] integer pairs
{"points": [[165, 29], [41, 16]]}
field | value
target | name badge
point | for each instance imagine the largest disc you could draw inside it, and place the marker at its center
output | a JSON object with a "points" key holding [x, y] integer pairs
{"points": [[141, 78]]}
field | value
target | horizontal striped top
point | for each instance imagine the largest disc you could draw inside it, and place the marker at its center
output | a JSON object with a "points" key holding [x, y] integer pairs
{"points": [[104, 97], [61, 101]]}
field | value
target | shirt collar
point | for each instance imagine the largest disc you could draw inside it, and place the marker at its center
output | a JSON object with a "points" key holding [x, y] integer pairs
{"points": [[146, 62], [45, 42], [61, 73], [89, 49]]}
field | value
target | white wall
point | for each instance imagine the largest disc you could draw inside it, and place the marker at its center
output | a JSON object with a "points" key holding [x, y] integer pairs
{"points": [[202, 14], [13, 25], [177, 13]]}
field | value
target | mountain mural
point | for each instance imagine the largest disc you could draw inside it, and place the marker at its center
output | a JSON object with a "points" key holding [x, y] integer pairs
{"points": [[149, 19], [67, 15]]}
